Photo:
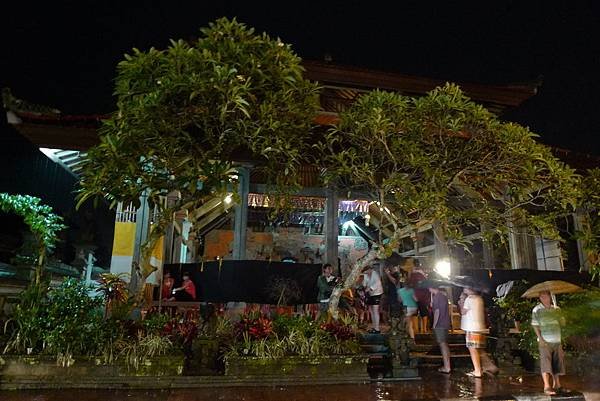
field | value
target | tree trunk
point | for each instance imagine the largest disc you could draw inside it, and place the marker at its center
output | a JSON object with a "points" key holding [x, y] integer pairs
{"points": [[350, 280]]}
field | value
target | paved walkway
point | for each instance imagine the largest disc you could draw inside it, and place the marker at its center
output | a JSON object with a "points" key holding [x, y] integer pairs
{"points": [[432, 386]]}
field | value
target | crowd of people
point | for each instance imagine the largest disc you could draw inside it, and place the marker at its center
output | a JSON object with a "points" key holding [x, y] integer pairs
{"points": [[375, 295], [426, 309], [429, 308]]}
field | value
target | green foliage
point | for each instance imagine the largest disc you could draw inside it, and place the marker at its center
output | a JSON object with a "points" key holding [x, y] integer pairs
{"points": [[73, 319], [446, 160], [28, 322], [188, 113], [590, 207], [155, 323], [293, 336], [63, 321], [40, 219], [67, 322], [582, 314], [515, 307], [136, 352]]}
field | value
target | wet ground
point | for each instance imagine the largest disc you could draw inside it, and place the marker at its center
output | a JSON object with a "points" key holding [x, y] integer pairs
{"points": [[432, 386]]}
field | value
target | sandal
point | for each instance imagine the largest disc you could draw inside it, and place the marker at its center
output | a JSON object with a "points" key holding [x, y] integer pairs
{"points": [[549, 391], [472, 374], [373, 331]]}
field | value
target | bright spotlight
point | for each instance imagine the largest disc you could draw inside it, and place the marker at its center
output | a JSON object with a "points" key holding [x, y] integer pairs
{"points": [[442, 267], [228, 199]]}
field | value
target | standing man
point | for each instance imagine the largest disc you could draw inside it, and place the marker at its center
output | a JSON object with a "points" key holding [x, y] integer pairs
{"points": [[473, 324], [374, 290], [325, 284], [441, 324], [546, 322], [423, 297]]}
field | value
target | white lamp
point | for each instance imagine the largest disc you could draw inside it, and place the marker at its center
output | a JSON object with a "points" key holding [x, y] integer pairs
{"points": [[443, 268]]}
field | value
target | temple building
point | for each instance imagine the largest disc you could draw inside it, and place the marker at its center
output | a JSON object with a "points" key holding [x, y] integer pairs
{"points": [[322, 228]]}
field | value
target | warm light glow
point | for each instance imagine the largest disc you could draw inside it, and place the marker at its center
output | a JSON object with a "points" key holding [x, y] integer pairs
{"points": [[442, 267], [228, 199]]}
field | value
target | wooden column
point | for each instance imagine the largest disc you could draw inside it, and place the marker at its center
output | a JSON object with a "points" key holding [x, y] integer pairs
{"points": [[579, 222], [240, 222], [441, 245], [522, 248], [331, 229], [488, 255], [142, 225], [488, 250]]}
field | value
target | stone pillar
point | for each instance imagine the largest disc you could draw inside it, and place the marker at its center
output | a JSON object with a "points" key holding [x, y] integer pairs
{"points": [[331, 228], [240, 222]]}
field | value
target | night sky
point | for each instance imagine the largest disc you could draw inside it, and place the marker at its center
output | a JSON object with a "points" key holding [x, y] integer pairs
{"points": [[64, 54]]}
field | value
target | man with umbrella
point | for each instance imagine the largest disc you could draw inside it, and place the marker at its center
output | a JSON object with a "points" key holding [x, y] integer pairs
{"points": [[546, 322]]}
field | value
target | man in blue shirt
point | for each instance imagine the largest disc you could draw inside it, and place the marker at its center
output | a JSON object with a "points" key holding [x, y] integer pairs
{"points": [[441, 325]]}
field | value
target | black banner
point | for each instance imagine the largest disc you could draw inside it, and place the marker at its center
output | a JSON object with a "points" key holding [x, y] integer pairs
{"points": [[252, 281]]}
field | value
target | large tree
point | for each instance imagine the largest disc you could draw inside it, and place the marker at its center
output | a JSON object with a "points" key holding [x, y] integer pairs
{"points": [[187, 114], [590, 230], [445, 160]]}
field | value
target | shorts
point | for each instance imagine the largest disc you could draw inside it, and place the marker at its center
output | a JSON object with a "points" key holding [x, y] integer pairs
{"points": [[441, 335], [423, 309], [552, 359], [373, 299], [475, 340], [411, 311]]}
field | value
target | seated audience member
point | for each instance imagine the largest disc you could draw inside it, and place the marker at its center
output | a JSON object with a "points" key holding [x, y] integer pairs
{"points": [[187, 291], [167, 285]]}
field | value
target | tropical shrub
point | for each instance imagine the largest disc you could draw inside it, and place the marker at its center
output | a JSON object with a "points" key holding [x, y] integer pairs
{"points": [[73, 320], [258, 336], [40, 219], [581, 311], [25, 329]]}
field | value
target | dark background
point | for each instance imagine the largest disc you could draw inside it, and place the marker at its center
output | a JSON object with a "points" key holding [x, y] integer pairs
{"points": [[252, 281], [63, 53]]}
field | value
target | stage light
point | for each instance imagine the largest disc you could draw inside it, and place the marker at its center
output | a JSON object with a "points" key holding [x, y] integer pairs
{"points": [[443, 268]]}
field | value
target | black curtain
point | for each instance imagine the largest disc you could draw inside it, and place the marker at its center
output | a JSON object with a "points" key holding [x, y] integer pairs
{"points": [[251, 281]]}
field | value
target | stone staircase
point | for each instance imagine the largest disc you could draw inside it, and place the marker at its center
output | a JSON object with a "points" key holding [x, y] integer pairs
{"points": [[425, 351], [375, 345], [429, 355]]}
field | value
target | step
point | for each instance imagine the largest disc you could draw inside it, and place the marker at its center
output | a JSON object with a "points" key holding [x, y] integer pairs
{"points": [[373, 339], [435, 347], [374, 348]]}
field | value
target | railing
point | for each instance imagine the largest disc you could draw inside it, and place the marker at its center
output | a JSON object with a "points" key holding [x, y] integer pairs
{"points": [[126, 214]]}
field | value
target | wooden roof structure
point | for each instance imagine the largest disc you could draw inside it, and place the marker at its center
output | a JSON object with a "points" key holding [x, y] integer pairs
{"points": [[341, 85]]}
